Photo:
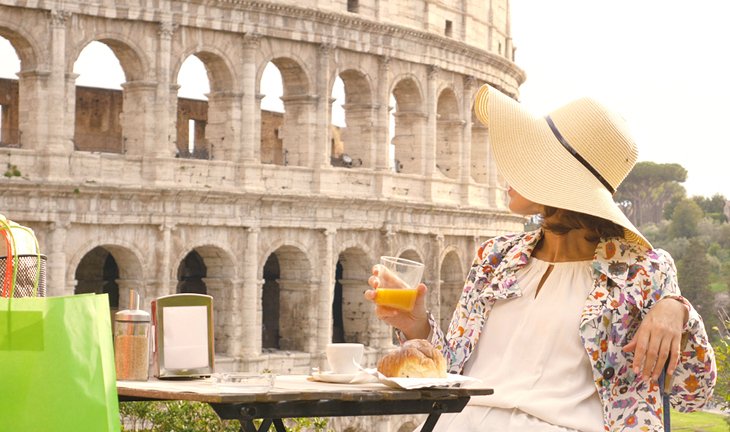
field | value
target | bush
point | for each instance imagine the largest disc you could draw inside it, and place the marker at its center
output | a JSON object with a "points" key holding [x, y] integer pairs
{"points": [[186, 416]]}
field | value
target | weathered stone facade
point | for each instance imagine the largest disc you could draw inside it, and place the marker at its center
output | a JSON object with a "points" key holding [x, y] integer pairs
{"points": [[263, 215]]}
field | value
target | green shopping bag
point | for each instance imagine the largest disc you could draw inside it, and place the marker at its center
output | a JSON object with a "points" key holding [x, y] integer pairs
{"points": [[57, 365]]}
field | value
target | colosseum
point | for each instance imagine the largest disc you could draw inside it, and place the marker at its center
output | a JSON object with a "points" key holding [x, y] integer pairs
{"points": [[278, 216]]}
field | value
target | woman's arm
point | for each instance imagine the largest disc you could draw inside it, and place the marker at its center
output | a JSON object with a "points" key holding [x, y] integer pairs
{"points": [[672, 329]]}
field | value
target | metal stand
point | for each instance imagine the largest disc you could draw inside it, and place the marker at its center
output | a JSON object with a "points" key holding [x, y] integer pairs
{"points": [[273, 412]]}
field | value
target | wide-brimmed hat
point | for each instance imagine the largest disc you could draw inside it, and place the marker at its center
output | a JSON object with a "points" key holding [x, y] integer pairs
{"points": [[574, 158]]}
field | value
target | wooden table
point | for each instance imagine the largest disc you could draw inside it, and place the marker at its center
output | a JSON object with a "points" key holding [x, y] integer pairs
{"points": [[296, 396]]}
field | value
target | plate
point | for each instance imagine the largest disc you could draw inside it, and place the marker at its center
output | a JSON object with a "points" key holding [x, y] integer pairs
{"points": [[451, 380], [332, 377]]}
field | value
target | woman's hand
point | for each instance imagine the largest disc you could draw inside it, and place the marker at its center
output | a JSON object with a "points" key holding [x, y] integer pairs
{"points": [[413, 324], [658, 338]]}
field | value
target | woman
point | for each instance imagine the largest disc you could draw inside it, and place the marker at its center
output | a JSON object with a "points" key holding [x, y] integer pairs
{"points": [[571, 324]]}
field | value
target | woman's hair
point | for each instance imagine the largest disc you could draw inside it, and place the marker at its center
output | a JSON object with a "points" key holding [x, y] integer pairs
{"points": [[561, 221]]}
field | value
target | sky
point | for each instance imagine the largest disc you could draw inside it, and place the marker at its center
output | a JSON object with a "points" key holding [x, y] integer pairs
{"points": [[663, 65]]}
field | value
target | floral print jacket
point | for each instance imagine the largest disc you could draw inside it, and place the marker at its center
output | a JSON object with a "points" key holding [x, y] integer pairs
{"points": [[628, 280]]}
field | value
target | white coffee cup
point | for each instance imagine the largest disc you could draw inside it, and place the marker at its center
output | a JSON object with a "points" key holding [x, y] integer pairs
{"points": [[343, 357]]}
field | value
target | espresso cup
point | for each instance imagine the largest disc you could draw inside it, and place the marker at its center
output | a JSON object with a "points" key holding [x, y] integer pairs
{"points": [[343, 357]]}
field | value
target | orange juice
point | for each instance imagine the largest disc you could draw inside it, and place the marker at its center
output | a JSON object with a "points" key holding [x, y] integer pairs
{"points": [[397, 298]]}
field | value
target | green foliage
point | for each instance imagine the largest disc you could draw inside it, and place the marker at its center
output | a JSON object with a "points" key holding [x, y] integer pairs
{"points": [[686, 218], [649, 188], [186, 416], [693, 272], [712, 207], [722, 356], [174, 416], [12, 171]]}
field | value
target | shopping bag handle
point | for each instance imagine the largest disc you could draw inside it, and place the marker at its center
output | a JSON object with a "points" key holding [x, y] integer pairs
{"points": [[11, 262], [11, 259]]}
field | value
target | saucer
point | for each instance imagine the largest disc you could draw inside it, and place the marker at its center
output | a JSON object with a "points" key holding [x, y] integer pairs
{"points": [[331, 377]]}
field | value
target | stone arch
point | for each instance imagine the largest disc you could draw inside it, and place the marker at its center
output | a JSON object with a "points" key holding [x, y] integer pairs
{"points": [[17, 118], [410, 123], [288, 297], [123, 127], [110, 267], [216, 280], [128, 253], [132, 59], [27, 49], [217, 65], [294, 130], [358, 138], [213, 119], [448, 133], [296, 79], [410, 253], [451, 286], [350, 314]]}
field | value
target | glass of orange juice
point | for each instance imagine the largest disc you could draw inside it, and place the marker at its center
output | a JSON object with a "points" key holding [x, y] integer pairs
{"points": [[398, 283]]}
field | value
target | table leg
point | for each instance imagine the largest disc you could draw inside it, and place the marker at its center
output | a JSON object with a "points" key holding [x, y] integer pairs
{"points": [[248, 426], [279, 425], [433, 417]]}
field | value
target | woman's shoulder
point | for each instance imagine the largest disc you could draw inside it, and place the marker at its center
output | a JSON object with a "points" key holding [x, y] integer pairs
{"points": [[619, 250], [500, 245]]}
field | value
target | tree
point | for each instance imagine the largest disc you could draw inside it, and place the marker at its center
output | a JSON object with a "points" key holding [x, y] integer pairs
{"points": [[693, 272], [713, 207], [685, 219], [648, 188]]}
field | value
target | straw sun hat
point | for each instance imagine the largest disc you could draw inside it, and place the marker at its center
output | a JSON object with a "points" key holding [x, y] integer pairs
{"points": [[574, 158]]}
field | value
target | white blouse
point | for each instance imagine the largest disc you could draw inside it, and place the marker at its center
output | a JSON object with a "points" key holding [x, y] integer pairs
{"points": [[530, 351]]}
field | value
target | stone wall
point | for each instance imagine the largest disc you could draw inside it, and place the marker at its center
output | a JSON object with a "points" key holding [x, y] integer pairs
{"points": [[259, 188]]}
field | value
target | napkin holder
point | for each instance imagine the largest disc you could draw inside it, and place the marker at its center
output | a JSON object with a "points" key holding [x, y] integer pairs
{"points": [[183, 336]]}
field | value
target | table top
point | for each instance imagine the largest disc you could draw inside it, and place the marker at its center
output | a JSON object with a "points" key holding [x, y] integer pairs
{"points": [[286, 387]]}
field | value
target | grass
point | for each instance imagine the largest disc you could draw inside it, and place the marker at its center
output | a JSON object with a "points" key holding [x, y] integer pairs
{"points": [[718, 287], [699, 422]]}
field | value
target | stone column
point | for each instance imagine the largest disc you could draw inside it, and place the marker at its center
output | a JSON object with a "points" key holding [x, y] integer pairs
{"points": [[222, 132], [58, 140], [465, 146], [137, 118], [70, 110], [434, 282], [326, 291], [496, 198], [321, 147], [219, 289], [163, 141], [359, 136], [166, 281], [430, 137], [236, 314], [250, 306], [380, 146], [299, 311], [429, 140], [356, 312], [33, 115], [298, 129], [250, 109], [125, 286], [56, 262], [390, 240]]}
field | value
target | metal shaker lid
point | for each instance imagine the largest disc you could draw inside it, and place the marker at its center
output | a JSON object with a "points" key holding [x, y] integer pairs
{"points": [[132, 315]]}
